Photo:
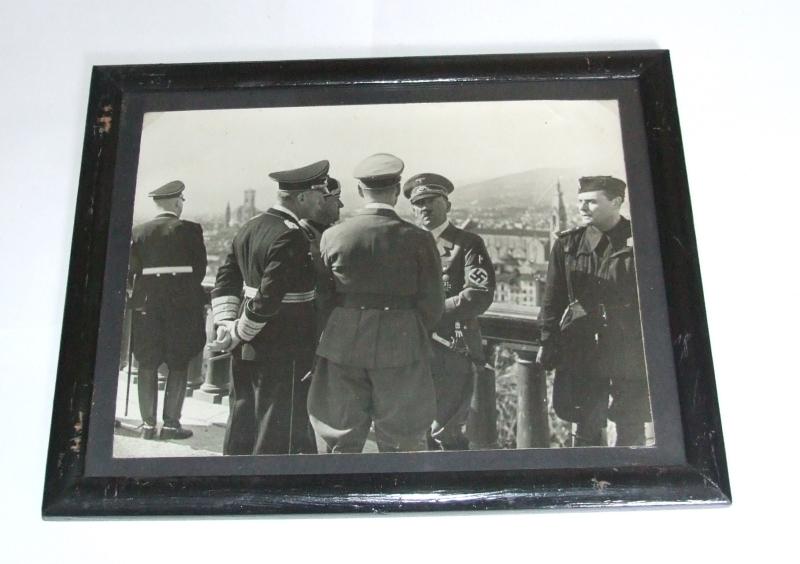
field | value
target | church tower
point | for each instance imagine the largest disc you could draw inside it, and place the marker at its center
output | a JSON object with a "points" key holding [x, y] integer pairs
{"points": [[558, 215]]}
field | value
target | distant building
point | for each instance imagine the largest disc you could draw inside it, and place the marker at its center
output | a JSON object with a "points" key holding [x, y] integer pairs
{"points": [[228, 215], [519, 255], [558, 215], [527, 245], [519, 289], [247, 211]]}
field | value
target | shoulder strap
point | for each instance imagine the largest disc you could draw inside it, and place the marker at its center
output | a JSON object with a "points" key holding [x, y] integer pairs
{"points": [[569, 264], [571, 237]]}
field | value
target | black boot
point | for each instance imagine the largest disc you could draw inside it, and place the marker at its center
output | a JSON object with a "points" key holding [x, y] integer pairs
{"points": [[175, 432], [148, 432]]}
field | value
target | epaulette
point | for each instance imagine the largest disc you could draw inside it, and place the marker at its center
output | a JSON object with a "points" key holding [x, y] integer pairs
{"points": [[568, 232], [255, 217], [308, 231], [570, 237]]}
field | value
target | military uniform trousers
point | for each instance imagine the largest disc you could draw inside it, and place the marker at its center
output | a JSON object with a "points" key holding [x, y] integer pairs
{"points": [[586, 378], [453, 382], [171, 336], [345, 400], [268, 406]]}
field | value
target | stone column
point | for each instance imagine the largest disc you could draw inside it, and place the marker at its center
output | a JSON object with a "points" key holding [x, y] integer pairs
{"points": [[533, 426]]}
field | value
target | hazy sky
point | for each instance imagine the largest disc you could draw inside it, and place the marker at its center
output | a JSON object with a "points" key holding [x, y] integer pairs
{"points": [[220, 153]]}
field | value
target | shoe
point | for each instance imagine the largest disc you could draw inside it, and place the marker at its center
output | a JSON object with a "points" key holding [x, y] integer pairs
{"points": [[148, 433], [175, 433]]}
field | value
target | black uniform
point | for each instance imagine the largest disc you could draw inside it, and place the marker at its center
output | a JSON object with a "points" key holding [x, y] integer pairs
{"points": [[469, 281], [324, 301], [605, 355], [268, 282], [168, 263]]}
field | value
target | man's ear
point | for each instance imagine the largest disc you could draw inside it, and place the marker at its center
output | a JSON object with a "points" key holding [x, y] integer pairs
{"points": [[449, 204], [360, 191]]}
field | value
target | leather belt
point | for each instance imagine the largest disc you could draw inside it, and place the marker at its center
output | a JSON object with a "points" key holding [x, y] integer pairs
{"points": [[159, 270], [376, 301]]}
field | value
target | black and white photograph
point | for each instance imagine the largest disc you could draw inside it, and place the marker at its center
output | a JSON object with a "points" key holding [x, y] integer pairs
{"points": [[334, 286], [349, 280], [335, 279]]}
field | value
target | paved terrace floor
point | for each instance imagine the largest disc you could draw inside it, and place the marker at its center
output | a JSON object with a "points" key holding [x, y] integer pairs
{"points": [[200, 414]]}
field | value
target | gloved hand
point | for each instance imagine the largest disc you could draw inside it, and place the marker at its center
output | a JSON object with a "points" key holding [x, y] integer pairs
{"points": [[226, 339]]}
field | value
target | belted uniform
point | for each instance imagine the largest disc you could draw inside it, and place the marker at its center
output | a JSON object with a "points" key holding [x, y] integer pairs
{"points": [[267, 281], [468, 279], [374, 354], [168, 263], [607, 359]]}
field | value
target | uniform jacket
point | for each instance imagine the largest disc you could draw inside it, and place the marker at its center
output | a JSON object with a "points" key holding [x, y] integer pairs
{"points": [[166, 242], [377, 253], [270, 255], [469, 280], [604, 281], [324, 300]]}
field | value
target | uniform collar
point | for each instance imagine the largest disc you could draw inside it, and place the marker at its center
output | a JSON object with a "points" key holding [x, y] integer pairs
{"points": [[592, 238], [167, 214], [617, 235], [283, 210], [378, 206], [437, 231], [315, 229]]}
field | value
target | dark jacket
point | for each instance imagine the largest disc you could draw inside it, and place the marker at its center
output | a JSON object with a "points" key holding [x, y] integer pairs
{"points": [[271, 255], [324, 300], [469, 280], [379, 256], [170, 303], [603, 274]]}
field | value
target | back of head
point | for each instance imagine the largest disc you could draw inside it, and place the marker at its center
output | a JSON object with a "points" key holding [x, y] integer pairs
{"points": [[300, 189], [169, 197], [379, 178]]}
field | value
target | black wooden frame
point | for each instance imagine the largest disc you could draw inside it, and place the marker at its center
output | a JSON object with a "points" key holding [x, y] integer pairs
{"points": [[702, 479]]}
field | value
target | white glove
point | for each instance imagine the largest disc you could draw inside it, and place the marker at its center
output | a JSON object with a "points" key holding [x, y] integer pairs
{"points": [[227, 338]]}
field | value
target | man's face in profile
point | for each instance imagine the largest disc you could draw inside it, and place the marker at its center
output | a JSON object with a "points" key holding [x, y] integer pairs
{"points": [[597, 209]]}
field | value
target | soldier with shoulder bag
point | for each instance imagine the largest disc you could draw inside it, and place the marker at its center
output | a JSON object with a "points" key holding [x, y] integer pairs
{"points": [[591, 332]]}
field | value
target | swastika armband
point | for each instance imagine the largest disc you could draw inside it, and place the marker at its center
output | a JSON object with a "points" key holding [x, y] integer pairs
{"points": [[479, 277]]}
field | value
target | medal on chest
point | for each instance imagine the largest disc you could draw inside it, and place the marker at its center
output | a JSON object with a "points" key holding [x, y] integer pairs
{"points": [[447, 283]]}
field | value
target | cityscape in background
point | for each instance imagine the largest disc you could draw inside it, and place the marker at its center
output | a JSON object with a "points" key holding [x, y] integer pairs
{"points": [[518, 239]]}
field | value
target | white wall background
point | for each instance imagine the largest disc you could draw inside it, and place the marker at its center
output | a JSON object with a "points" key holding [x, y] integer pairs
{"points": [[735, 71]]}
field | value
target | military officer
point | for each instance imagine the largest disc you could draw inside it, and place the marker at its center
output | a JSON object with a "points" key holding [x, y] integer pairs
{"points": [[373, 359], [263, 305], [591, 330], [315, 227], [168, 263], [468, 281]]}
